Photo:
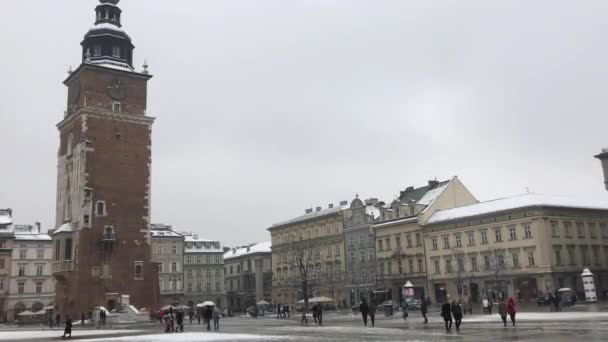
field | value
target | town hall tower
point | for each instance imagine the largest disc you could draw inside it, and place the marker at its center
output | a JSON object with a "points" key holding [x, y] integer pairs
{"points": [[102, 253]]}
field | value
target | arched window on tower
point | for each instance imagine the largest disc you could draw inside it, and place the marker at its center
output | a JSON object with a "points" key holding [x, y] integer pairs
{"points": [[96, 50], [100, 208], [116, 51]]}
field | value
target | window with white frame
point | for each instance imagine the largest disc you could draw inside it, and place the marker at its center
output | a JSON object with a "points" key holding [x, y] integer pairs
{"points": [[22, 253], [531, 261], [189, 287], [498, 234], [527, 231], [484, 237], [446, 241], [1, 283], [458, 238], [116, 51], [515, 257], [437, 266], [20, 287], [474, 264], [39, 269], [2, 264], [116, 107], [512, 233], [174, 249], [139, 270], [554, 229], [21, 270], [38, 287], [173, 267], [434, 243], [471, 236]]}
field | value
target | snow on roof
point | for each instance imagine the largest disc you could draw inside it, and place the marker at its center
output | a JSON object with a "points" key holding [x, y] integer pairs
{"points": [[392, 222], [194, 244], [431, 195], [515, 202], [33, 237], [65, 228], [112, 64], [372, 210], [5, 219], [262, 247], [314, 214], [165, 233], [106, 26]]}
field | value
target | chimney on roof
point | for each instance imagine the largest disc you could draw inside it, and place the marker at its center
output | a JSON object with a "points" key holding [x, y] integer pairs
{"points": [[195, 236], [308, 211], [318, 208], [433, 184], [248, 248], [409, 189], [38, 226], [343, 203], [331, 205]]}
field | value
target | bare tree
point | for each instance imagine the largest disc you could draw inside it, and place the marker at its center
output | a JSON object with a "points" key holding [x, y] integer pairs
{"points": [[301, 261]]}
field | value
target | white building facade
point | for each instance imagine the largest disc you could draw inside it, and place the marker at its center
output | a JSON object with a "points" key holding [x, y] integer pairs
{"points": [[203, 271], [168, 254]]}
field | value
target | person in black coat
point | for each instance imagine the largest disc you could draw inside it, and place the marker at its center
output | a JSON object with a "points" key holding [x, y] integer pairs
{"points": [[207, 315], [179, 317], [457, 313], [364, 309], [424, 308], [68, 327], [446, 313]]}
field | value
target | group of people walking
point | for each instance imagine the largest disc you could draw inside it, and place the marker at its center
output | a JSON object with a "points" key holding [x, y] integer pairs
{"points": [[452, 313], [174, 321], [283, 311]]}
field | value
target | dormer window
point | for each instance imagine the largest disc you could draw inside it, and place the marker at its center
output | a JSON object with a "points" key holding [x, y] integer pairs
{"points": [[116, 51]]}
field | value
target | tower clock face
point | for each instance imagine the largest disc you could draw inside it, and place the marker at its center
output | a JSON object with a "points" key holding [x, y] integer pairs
{"points": [[74, 92], [117, 89]]}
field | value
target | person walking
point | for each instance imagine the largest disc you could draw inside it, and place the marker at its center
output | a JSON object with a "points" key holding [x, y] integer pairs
{"points": [[278, 310], [320, 313], [190, 315], [423, 308], [364, 309], [502, 311], [216, 319], [179, 317], [161, 315], [315, 313], [511, 309], [457, 313], [82, 320], [446, 313], [286, 311], [58, 320], [68, 327], [485, 303], [208, 316], [490, 304], [372, 312]]}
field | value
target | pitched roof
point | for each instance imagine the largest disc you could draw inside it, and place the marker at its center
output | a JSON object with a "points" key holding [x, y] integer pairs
{"points": [[312, 215], [511, 203]]}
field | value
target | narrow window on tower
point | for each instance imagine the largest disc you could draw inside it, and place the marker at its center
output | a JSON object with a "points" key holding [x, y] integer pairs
{"points": [[139, 270], [116, 107], [96, 50], [116, 51], [100, 208]]}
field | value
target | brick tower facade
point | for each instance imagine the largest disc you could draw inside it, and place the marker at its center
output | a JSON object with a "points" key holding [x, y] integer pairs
{"points": [[102, 239]]}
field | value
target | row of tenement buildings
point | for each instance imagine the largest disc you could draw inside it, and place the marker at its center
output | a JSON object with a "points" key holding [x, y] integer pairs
{"points": [[191, 269], [445, 243]]}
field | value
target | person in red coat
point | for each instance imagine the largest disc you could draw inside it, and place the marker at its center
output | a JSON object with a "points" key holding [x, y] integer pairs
{"points": [[511, 309]]}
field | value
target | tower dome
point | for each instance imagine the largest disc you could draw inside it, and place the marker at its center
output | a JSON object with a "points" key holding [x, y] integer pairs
{"points": [[106, 42]]}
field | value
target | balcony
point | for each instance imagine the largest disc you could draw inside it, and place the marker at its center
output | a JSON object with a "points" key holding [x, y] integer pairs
{"points": [[61, 268], [108, 237]]}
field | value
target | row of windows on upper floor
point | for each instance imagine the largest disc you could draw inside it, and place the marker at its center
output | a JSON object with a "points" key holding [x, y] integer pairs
{"points": [[512, 231], [38, 270], [408, 238], [23, 245], [117, 51], [585, 259], [317, 253], [176, 285], [22, 286], [306, 234], [387, 267], [491, 262], [23, 254], [583, 229]]}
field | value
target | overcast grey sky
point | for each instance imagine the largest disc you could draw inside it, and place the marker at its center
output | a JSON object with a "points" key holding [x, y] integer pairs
{"points": [[265, 108]]}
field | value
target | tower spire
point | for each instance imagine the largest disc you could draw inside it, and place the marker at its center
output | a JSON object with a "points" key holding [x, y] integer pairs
{"points": [[107, 41]]}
